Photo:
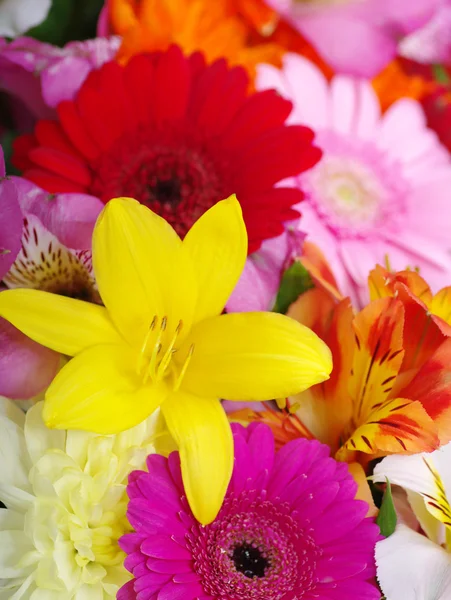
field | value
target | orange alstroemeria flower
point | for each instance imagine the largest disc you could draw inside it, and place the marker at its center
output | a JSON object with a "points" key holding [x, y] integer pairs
{"points": [[394, 83], [245, 32], [390, 388]]}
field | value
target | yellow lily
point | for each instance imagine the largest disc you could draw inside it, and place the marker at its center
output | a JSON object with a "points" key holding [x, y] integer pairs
{"points": [[160, 340]]}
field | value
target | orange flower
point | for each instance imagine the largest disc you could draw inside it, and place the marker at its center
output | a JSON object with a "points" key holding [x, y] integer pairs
{"points": [[394, 83], [246, 32], [390, 388]]}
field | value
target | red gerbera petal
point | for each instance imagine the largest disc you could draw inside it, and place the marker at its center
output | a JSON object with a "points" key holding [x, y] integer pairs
{"points": [[22, 146], [178, 135]]}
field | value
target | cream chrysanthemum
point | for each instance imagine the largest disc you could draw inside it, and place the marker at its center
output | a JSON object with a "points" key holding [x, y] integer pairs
{"points": [[66, 503]]}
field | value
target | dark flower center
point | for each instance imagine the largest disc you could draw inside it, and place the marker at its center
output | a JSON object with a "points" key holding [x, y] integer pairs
{"points": [[249, 561], [167, 190], [255, 550], [172, 173]]}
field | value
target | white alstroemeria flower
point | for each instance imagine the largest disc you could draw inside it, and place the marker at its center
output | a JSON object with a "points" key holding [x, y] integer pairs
{"points": [[66, 503], [412, 566], [17, 16]]}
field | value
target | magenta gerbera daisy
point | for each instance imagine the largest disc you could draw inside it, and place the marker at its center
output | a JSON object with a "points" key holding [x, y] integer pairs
{"points": [[290, 528], [178, 135]]}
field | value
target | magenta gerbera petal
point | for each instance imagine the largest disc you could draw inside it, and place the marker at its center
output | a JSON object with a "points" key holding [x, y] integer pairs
{"points": [[289, 529]]}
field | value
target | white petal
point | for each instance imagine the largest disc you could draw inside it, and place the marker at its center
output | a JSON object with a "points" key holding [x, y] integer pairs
{"points": [[13, 546], [411, 567], [17, 16], [428, 474], [10, 519], [14, 459], [89, 592], [12, 411], [15, 498], [49, 595], [410, 472], [432, 527], [25, 592], [442, 462], [39, 438], [77, 444]]}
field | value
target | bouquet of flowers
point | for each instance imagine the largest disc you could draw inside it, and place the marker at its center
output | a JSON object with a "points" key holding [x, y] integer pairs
{"points": [[225, 300]]}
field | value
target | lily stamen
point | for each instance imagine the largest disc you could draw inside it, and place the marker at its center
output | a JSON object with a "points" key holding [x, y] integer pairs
{"points": [[142, 354], [165, 361], [152, 369], [183, 369]]}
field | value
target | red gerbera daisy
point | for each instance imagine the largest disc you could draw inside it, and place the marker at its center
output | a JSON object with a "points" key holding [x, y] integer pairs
{"points": [[177, 135]]}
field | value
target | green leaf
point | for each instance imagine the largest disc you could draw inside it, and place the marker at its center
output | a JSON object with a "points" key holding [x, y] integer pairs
{"points": [[387, 518], [295, 281], [68, 20], [6, 141], [56, 26], [441, 74]]}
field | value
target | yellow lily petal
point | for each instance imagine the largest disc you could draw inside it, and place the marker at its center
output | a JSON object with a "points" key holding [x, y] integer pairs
{"points": [[204, 438], [140, 269], [63, 324], [217, 245], [100, 391], [253, 356]]}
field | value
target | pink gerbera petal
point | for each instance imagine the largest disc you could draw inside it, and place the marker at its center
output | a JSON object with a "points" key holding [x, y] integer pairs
{"points": [[379, 191], [267, 542]]}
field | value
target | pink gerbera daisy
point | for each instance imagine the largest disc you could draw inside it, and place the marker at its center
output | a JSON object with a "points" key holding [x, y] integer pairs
{"points": [[381, 190], [289, 529]]}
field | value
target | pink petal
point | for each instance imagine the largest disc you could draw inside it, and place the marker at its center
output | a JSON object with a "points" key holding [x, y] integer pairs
{"points": [[271, 78], [407, 15], [41, 75], [359, 257], [368, 110], [430, 209], [11, 223], [305, 85], [127, 592], [26, 368], [70, 217], [169, 566], [20, 64], [61, 80], [431, 43], [424, 252], [131, 542], [337, 521], [188, 577], [44, 263], [176, 591], [350, 45], [343, 103], [362, 590], [261, 449], [260, 280], [151, 583], [162, 546], [402, 122], [103, 28], [320, 235], [340, 567]]}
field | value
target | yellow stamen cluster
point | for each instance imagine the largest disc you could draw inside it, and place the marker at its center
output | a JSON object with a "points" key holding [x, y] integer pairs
{"points": [[150, 365]]}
